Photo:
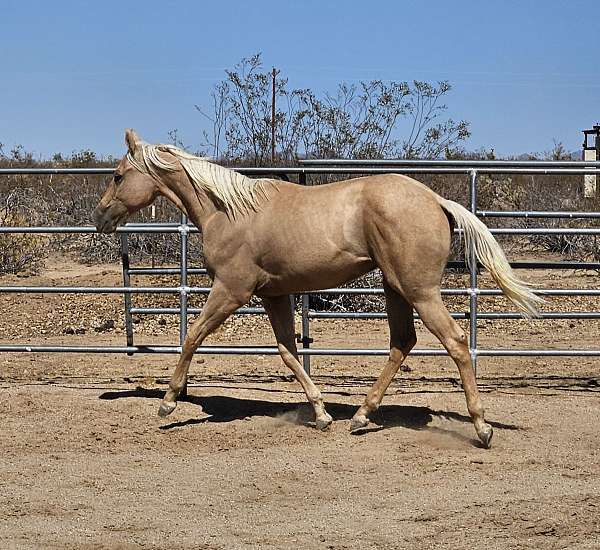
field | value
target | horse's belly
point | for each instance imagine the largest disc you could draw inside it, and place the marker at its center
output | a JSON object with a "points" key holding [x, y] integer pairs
{"points": [[303, 276]]}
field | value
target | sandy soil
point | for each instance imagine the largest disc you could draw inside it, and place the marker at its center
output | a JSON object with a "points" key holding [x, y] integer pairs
{"points": [[86, 463]]}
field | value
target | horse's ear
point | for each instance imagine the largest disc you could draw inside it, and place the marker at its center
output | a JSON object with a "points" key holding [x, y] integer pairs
{"points": [[132, 140]]}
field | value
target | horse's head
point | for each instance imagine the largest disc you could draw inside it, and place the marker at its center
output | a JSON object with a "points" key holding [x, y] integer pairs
{"points": [[128, 191]]}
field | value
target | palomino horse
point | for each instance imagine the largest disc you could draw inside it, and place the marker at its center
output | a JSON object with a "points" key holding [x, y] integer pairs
{"points": [[252, 230]]}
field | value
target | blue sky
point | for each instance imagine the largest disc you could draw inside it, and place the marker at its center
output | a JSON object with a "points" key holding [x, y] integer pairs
{"points": [[75, 74]]}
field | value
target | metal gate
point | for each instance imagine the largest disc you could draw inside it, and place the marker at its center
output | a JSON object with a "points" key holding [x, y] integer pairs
{"points": [[332, 167]]}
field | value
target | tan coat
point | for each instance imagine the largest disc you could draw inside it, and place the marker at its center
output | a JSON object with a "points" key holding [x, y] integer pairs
{"points": [[294, 238]]}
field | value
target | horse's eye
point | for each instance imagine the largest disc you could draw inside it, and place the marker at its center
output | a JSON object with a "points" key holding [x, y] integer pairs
{"points": [[118, 178]]}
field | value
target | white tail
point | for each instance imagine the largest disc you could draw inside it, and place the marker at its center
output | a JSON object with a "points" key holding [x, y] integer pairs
{"points": [[487, 250]]}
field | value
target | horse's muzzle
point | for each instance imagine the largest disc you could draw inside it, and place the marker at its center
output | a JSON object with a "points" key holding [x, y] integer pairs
{"points": [[106, 220]]}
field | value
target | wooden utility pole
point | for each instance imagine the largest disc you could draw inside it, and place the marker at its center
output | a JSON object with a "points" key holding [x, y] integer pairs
{"points": [[274, 74]]}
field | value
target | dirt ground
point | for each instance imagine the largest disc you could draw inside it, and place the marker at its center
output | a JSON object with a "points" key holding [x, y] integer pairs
{"points": [[86, 463]]}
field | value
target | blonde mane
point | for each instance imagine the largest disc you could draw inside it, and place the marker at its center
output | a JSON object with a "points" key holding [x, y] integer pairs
{"points": [[237, 193]]}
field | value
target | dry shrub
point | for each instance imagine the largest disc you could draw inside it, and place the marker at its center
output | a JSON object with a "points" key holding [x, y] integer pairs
{"points": [[554, 193], [20, 252], [68, 200]]}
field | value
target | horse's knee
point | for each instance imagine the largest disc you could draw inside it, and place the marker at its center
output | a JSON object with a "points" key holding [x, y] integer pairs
{"points": [[410, 343], [458, 346], [401, 347], [459, 339], [189, 347]]}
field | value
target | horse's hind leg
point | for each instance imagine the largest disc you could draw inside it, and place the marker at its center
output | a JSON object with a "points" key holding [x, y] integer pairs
{"points": [[281, 316], [437, 319], [402, 340]]}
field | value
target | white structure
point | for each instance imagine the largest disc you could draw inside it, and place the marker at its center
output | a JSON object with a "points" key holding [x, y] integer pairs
{"points": [[591, 151]]}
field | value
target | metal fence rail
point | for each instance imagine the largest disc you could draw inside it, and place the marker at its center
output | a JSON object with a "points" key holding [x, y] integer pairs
{"points": [[332, 167]]}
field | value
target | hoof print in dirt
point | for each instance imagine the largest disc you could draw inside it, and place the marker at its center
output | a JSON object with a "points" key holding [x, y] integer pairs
{"points": [[105, 326], [73, 330]]}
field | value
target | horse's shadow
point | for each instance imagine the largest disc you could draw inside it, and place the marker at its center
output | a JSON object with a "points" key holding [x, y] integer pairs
{"points": [[227, 409]]}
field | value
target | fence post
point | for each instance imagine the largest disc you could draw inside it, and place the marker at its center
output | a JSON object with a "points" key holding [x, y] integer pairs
{"points": [[473, 279], [184, 231], [127, 295], [306, 339]]}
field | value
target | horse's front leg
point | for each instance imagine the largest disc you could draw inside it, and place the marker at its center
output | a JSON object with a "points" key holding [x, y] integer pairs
{"points": [[221, 303], [281, 316]]}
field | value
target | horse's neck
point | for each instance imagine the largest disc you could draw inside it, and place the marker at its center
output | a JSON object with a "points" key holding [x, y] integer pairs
{"points": [[190, 200]]}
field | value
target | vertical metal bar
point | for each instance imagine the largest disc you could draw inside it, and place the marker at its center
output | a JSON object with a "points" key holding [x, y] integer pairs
{"points": [[153, 217], [183, 296], [306, 339], [126, 295], [183, 293], [473, 280]]}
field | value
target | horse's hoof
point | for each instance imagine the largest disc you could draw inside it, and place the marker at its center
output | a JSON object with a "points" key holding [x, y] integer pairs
{"points": [[485, 434], [166, 408], [324, 422], [358, 423]]}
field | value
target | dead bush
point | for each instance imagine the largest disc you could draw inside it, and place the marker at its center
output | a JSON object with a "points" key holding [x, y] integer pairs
{"points": [[20, 252]]}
